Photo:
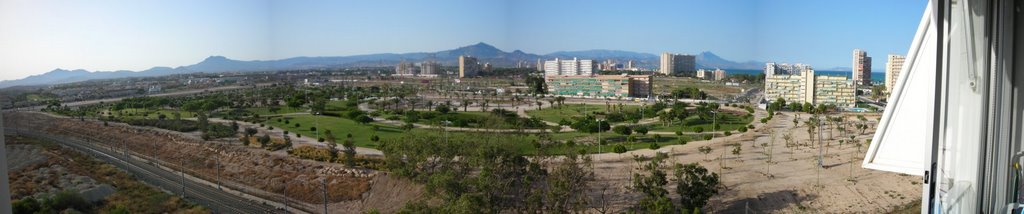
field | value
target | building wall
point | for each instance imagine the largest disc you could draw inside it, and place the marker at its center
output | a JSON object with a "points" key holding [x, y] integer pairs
{"points": [[672, 64], [836, 90], [892, 70], [574, 67], [468, 66], [600, 85], [861, 67], [810, 88], [430, 68]]}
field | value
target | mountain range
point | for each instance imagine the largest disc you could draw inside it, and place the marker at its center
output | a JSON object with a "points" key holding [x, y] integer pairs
{"points": [[484, 52]]}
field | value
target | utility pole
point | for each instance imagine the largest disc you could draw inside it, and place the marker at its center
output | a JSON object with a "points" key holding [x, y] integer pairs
{"points": [[127, 156], [285, 193], [5, 189], [325, 194], [182, 164], [218, 171]]}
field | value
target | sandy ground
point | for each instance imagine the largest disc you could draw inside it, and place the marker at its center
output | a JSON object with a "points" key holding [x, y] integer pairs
{"points": [[791, 183]]}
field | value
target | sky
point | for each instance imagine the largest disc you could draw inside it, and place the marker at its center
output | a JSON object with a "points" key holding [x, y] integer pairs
{"points": [[37, 36]]}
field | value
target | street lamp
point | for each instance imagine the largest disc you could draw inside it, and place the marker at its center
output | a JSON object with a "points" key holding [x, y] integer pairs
{"points": [[599, 130]]}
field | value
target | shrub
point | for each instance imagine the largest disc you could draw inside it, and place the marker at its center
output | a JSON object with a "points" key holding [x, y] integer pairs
{"points": [[727, 133], [743, 129], [708, 137], [286, 132], [653, 146], [619, 149], [698, 129], [320, 140], [312, 129], [682, 141], [270, 128]]}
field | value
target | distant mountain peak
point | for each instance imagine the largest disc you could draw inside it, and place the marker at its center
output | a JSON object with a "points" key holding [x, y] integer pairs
{"points": [[216, 59]]}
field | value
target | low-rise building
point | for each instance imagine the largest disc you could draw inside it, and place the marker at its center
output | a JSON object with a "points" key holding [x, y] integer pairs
{"points": [[807, 87], [601, 85]]}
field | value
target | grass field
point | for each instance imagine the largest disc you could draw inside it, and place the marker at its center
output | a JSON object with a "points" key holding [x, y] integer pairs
{"points": [[568, 111], [264, 111], [665, 85], [138, 113], [729, 122], [340, 127]]}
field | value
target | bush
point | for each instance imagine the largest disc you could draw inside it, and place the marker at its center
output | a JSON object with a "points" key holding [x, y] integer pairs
{"points": [[698, 129], [682, 141], [298, 125], [653, 146], [619, 149], [623, 130], [320, 140], [727, 133], [270, 128], [312, 129], [285, 132], [708, 137], [743, 129]]}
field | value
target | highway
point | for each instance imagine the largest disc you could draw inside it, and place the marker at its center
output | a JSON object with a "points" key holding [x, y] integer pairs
{"points": [[208, 196]]}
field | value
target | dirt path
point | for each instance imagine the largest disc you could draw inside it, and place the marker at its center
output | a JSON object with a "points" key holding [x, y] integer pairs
{"points": [[794, 184]]}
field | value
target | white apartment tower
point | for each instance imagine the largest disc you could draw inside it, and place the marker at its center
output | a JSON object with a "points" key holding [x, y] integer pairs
{"points": [[892, 70], [574, 67]]}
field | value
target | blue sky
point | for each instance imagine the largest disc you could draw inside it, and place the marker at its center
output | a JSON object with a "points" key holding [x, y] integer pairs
{"points": [[37, 36]]}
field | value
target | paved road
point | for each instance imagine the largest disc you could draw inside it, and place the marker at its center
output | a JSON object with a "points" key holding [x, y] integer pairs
{"points": [[216, 200]]}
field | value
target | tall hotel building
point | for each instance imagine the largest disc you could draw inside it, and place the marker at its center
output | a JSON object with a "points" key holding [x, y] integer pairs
{"points": [[805, 87], [468, 66], [892, 70], [672, 64], [861, 67]]}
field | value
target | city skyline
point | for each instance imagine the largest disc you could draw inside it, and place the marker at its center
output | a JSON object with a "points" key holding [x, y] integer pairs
{"points": [[120, 35]]}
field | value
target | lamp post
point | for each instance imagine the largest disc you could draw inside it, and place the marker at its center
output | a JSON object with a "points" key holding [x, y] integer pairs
{"points": [[599, 146]]}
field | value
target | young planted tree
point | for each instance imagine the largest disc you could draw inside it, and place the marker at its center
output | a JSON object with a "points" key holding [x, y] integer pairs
{"points": [[705, 150], [350, 151], [736, 149]]}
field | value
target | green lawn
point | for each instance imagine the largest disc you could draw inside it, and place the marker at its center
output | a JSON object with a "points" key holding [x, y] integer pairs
{"points": [[340, 127], [568, 111], [263, 111], [729, 122], [138, 113]]}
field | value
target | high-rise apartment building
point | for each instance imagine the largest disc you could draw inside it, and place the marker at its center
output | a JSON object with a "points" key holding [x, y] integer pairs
{"points": [[673, 64], [430, 68], [772, 68], [806, 87], [574, 67], [719, 74], [892, 70], [468, 66], [861, 67], [405, 69]]}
